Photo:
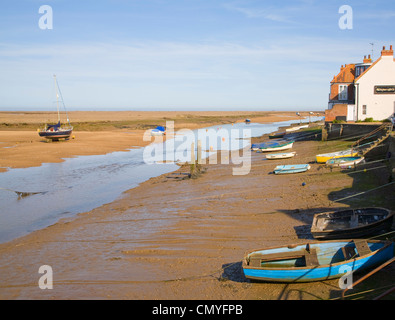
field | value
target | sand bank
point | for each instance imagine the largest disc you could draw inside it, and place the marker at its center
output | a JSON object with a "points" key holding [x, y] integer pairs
{"points": [[101, 132]]}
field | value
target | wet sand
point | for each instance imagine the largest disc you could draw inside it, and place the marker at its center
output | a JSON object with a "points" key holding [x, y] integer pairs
{"points": [[180, 239]]}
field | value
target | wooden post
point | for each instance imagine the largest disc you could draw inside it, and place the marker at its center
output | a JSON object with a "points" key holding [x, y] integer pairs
{"points": [[192, 158], [324, 134], [199, 155]]}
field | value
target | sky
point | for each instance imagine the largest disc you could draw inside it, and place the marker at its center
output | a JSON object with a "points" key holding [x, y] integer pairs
{"points": [[184, 54]]}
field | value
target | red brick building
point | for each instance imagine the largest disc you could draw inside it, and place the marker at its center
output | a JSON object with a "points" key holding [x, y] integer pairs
{"points": [[342, 91]]}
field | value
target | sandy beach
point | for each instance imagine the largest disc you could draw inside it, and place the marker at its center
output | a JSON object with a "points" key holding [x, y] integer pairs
{"points": [[180, 239]]}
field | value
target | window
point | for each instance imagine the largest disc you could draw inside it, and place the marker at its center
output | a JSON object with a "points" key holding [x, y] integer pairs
{"points": [[343, 92], [364, 107]]}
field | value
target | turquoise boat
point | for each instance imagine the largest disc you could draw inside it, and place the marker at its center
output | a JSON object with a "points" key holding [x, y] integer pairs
{"points": [[315, 261], [292, 168], [344, 162]]}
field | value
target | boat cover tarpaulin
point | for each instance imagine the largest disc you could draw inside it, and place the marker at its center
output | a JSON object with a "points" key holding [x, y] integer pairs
{"points": [[54, 126]]}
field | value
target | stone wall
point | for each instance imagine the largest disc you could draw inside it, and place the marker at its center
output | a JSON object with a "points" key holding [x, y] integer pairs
{"points": [[349, 130]]}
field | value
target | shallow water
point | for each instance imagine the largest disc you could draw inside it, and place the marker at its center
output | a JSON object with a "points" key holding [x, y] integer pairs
{"points": [[83, 183]]}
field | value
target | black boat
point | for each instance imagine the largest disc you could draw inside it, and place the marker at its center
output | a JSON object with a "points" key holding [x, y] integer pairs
{"points": [[57, 131], [351, 223]]}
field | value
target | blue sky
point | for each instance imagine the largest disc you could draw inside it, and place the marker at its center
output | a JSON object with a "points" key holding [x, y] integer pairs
{"points": [[183, 54]]}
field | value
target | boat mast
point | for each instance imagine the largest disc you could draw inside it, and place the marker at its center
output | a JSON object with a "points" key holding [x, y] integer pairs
{"points": [[57, 96]]}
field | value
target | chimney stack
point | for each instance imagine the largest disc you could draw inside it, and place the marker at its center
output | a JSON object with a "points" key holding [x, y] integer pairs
{"points": [[389, 52], [367, 60]]}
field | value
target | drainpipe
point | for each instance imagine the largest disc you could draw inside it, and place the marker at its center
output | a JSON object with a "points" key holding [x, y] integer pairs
{"points": [[357, 101]]}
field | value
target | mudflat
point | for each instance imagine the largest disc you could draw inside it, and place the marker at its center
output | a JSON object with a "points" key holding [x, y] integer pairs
{"points": [[185, 238]]}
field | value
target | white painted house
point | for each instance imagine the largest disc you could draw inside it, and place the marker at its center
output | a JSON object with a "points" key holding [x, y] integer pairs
{"points": [[375, 89], [364, 90]]}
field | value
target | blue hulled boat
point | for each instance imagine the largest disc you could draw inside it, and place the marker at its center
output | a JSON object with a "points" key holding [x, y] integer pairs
{"points": [[315, 261], [57, 131], [158, 131], [272, 145]]}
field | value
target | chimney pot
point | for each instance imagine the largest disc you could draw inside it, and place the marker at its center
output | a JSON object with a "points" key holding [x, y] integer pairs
{"points": [[391, 47]]}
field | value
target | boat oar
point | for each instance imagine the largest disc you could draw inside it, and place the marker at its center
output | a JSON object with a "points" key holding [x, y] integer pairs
{"points": [[22, 194]]}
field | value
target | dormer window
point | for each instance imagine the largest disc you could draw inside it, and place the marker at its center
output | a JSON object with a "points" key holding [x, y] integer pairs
{"points": [[343, 92]]}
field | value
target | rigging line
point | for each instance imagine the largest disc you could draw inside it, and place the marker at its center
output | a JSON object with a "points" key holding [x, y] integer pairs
{"points": [[366, 291], [61, 96], [359, 171], [382, 235], [364, 192], [351, 171]]}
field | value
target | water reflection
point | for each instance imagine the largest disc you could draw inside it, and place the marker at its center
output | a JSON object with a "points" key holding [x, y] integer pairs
{"points": [[83, 183]]}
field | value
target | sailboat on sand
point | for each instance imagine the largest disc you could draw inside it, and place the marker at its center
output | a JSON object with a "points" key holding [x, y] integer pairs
{"points": [[57, 131]]}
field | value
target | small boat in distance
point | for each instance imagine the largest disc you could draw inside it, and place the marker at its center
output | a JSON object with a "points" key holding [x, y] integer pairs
{"points": [[323, 158], [284, 155], [57, 131], [158, 131], [315, 261], [351, 223], [292, 168], [344, 162]]}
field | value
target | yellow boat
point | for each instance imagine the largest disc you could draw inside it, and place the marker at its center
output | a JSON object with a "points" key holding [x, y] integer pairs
{"points": [[323, 158]]}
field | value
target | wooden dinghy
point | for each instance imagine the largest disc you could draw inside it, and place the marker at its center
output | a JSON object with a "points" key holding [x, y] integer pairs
{"points": [[292, 168], [323, 158], [344, 162], [351, 223], [284, 155], [315, 261]]}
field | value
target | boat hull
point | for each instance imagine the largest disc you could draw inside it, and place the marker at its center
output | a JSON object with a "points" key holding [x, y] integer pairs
{"points": [[157, 133], [344, 161], [55, 135], [288, 169], [277, 148], [272, 146], [332, 263], [292, 129], [323, 158], [285, 155], [277, 135], [357, 223]]}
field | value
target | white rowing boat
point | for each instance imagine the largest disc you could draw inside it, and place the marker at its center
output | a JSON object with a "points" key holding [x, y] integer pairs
{"points": [[284, 155]]}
